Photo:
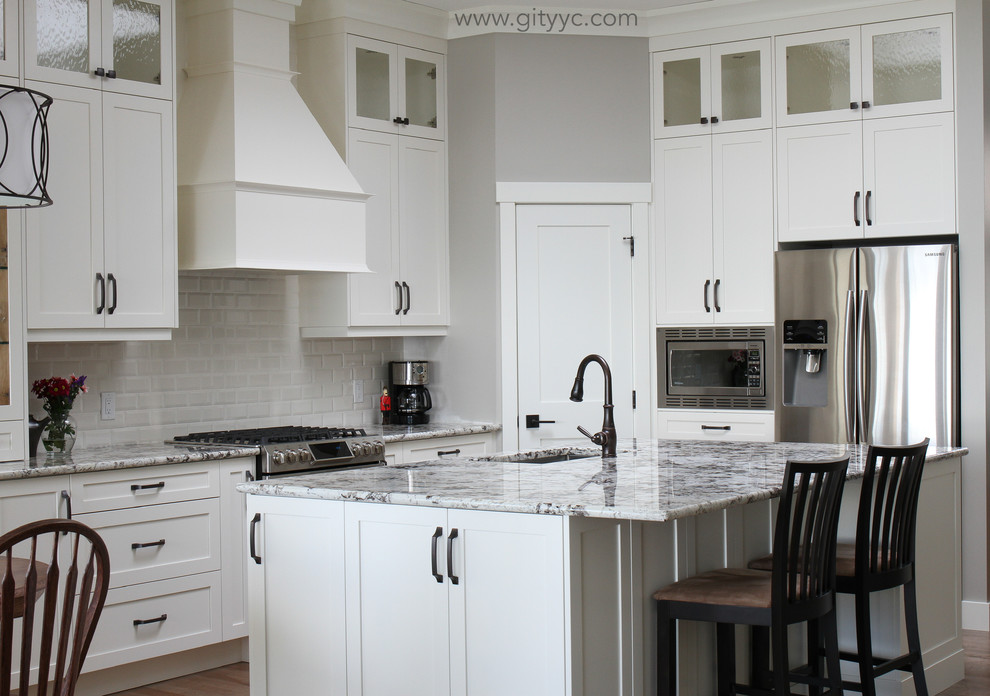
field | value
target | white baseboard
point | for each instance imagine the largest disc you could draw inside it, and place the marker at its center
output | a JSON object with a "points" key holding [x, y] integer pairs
{"points": [[976, 616]]}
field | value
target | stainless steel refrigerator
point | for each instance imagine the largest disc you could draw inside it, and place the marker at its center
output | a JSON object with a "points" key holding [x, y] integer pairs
{"points": [[866, 345]]}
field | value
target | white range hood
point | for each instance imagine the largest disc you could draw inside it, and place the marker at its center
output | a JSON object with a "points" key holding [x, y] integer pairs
{"points": [[260, 184]]}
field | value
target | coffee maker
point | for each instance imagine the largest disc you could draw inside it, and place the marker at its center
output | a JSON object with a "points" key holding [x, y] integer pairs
{"points": [[407, 388]]}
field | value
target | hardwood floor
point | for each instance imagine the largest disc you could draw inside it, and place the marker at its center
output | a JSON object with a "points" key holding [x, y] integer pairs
{"points": [[232, 680]]}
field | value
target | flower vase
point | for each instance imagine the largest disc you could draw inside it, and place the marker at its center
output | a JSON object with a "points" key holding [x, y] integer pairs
{"points": [[59, 436]]}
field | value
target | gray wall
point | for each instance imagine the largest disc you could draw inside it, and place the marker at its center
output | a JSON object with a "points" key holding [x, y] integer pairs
{"points": [[572, 108], [523, 108]]}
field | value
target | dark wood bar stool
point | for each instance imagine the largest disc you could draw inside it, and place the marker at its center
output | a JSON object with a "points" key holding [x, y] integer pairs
{"points": [[882, 558], [59, 598], [800, 588]]}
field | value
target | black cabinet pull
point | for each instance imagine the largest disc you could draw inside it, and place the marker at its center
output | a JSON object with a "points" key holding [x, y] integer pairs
{"points": [[704, 120], [433, 553], [99, 72], [398, 298], [251, 536], [103, 293], [853, 105], [401, 121], [714, 119], [533, 420], [856, 208], [142, 622], [716, 427], [718, 281], [248, 476], [68, 504], [442, 453], [405, 286], [707, 283], [147, 486], [147, 545], [866, 105], [454, 580], [869, 218], [113, 285], [112, 74]]}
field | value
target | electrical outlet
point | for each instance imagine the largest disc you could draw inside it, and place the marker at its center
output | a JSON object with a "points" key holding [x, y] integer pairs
{"points": [[358, 391], [108, 405]]}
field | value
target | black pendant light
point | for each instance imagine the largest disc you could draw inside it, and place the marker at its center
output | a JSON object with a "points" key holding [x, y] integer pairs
{"points": [[23, 148]]}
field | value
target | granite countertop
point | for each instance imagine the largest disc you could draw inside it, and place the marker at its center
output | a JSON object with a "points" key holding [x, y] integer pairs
{"points": [[119, 457], [401, 433], [656, 480]]}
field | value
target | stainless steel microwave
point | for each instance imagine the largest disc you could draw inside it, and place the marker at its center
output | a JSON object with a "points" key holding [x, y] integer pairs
{"points": [[715, 367]]}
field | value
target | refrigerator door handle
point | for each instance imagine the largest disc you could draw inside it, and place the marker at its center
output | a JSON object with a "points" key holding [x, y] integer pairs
{"points": [[862, 366], [849, 378]]}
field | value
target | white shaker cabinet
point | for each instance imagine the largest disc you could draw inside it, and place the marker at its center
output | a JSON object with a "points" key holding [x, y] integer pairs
{"points": [[712, 89], [862, 72], [104, 256], [407, 243], [891, 177], [713, 203], [110, 45]]}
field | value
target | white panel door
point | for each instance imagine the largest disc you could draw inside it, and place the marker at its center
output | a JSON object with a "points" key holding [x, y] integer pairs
{"points": [[30, 500], [508, 606], [742, 227], [820, 182], [296, 592], [818, 77], [139, 188], [397, 615], [574, 297], [682, 204], [373, 158], [423, 231], [682, 101], [234, 546], [909, 175], [65, 240]]}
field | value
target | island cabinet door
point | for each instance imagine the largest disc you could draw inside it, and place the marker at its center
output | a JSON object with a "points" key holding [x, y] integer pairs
{"points": [[296, 591], [507, 605], [397, 616]]}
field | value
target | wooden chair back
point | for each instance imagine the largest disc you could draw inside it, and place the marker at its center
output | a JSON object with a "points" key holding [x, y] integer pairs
{"points": [[805, 532], [888, 507], [54, 577]]}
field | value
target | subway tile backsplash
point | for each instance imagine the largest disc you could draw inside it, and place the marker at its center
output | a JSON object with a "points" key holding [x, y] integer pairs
{"points": [[236, 361]]}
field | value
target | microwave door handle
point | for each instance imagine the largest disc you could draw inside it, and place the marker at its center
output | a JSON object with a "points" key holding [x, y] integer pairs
{"points": [[849, 357], [862, 368]]}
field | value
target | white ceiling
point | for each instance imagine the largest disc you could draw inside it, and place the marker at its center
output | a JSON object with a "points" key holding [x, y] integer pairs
{"points": [[641, 5]]}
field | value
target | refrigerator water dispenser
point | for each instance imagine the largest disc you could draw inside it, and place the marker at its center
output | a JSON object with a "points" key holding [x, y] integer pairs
{"points": [[806, 365]]}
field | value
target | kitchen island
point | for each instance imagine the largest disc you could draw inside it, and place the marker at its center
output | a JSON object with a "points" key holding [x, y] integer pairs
{"points": [[499, 576]]}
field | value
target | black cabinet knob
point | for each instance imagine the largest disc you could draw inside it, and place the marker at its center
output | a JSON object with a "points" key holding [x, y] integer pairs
{"points": [[704, 120], [714, 119]]}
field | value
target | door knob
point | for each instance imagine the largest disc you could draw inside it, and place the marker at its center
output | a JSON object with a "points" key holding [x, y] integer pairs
{"points": [[533, 420]]}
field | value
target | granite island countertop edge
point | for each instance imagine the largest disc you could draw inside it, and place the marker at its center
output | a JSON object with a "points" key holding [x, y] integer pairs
{"points": [[661, 481]]}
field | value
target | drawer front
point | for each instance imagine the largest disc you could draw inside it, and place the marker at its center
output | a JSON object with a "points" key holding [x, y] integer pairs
{"points": [[12, 441], [159, 541], [438, 448], [190, 606], [124, 488], [700, 425]]}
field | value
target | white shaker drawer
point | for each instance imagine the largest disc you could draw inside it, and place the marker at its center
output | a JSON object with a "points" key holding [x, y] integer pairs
{"points": [[156, 618], [159, 541], [441, 447], [753, 426], [123, 488]]}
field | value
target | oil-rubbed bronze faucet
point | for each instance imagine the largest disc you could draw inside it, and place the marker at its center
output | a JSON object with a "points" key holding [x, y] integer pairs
{"points": [[606, 436]]}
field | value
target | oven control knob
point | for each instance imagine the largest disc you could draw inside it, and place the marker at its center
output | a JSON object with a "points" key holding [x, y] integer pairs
{"points": [[360, 449], [278, 457], [305, 455], [291, 456], [379, 448]]}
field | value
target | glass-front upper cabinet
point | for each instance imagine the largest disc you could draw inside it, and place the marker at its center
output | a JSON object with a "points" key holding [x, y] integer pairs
{"points": [[877, 70], [712, 89], [8, 38], [395, 89], [116, 45]]}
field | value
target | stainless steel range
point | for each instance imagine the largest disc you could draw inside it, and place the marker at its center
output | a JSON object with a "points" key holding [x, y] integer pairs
{"points": [[296, 450]]}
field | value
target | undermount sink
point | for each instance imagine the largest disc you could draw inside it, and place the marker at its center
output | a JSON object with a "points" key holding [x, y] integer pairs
{"points": [[549, 458]]}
